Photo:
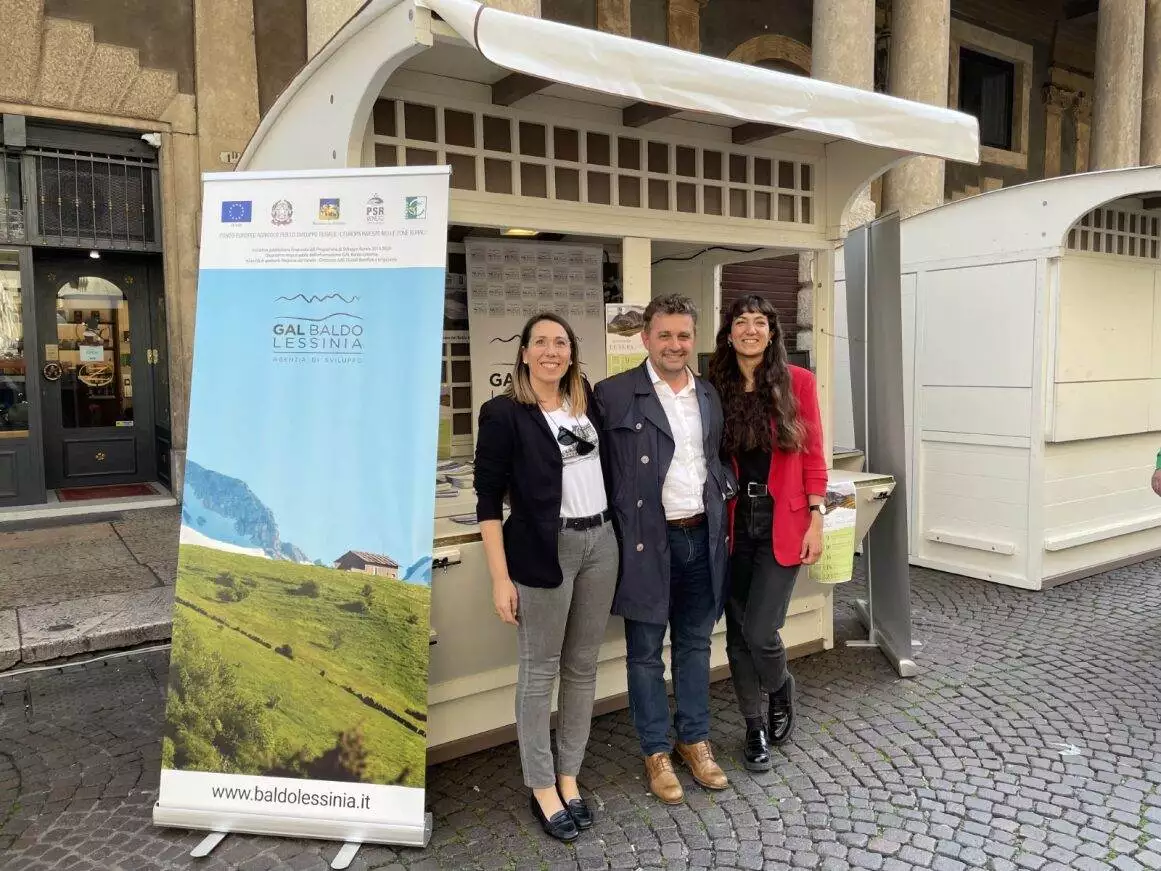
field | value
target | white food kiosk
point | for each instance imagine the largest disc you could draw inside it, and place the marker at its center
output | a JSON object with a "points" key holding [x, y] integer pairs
{"points": [[1034, 378], [584, 135]]}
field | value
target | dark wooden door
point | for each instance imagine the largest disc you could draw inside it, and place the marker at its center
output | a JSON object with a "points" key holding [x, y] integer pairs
{"points": [[93, 315]]}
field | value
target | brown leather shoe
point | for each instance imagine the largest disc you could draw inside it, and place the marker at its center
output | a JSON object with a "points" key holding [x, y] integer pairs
{"points": [[663, 782], [700, 759]]}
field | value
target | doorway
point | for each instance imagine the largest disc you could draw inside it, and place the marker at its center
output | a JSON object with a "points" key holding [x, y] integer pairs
{"points": [[96, 320]]}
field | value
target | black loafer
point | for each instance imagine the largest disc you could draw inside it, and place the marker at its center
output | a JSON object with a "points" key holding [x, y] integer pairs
{"points": [[782, 712], [756, 753], [579, 811], [560, 825]]}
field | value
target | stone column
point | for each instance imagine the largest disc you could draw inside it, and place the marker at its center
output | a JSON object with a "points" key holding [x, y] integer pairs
{"points": [[615, 16], [1151, 86], [920, 45], [1057, 101], [683, 23], [843, 51], [1116, 127], [1082, 112]]}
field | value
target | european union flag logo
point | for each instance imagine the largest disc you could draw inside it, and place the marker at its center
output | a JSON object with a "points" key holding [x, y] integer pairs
{"points": [[237, 211]]}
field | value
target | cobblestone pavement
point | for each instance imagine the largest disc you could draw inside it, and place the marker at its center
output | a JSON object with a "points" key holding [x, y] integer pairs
{"points": [[1030, 740]]}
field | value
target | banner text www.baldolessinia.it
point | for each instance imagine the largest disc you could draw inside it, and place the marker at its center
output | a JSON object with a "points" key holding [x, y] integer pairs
{"points": [[291, 796]]}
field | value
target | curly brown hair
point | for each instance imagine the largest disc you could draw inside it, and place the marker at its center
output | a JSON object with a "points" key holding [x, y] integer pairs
{"points": [[748, 415]]}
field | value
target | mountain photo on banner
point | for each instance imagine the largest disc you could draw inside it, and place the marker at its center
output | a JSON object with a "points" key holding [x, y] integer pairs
{"points": [[301, 625]]}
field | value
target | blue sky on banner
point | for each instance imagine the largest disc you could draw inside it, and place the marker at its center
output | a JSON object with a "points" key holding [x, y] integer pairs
{"points": [[337, 439]]}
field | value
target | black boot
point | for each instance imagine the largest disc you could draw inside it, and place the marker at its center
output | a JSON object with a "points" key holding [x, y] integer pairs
{"points": [[757, 749], [782, 712]]}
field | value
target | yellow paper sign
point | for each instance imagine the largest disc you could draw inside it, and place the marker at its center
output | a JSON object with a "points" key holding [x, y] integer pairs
{"points": [[838, 535]]}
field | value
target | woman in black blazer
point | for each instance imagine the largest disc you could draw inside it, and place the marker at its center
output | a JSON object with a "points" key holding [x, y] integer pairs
{"points": [[554, 561]]}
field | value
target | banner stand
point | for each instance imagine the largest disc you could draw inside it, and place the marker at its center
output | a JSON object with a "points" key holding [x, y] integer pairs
{"points": [[343, 858], [297, 700]]}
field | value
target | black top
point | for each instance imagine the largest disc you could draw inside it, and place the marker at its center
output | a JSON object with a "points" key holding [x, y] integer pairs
{"points": [[517, 457], [753, 465]]}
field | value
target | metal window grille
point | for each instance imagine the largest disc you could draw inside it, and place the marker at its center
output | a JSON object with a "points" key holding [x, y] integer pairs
{"points": [[95, 200], [12, 227]]}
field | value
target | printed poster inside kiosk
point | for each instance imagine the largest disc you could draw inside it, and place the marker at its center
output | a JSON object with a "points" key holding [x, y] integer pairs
{"points": [[298, 682]]}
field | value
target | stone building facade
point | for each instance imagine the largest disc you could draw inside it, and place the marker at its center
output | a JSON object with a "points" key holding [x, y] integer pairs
{"points": [[1060, 86]]}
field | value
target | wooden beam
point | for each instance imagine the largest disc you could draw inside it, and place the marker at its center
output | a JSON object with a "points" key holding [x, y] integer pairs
{"points": [[640, 114], [516, 87], [748, 133], [1074, 9]]}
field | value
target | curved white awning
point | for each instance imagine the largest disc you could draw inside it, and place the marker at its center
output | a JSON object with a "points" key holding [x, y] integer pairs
{"points": [[319, 121], [664, 76]]}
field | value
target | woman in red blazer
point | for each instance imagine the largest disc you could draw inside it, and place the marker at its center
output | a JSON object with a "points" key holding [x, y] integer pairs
{"points": [[773, 438]]}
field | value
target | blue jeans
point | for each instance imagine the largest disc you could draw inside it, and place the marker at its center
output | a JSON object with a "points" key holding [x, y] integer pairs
{"points": [[691, 619]]}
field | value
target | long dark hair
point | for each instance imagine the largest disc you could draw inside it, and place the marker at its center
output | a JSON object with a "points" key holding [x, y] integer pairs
{"points": [[572, 388], [773, 397]]}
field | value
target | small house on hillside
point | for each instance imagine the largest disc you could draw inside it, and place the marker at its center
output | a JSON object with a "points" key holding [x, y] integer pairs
{"points": [[368, 563]]}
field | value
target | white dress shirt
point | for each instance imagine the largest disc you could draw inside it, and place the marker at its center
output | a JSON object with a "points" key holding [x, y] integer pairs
{"points": [[681, 492]]}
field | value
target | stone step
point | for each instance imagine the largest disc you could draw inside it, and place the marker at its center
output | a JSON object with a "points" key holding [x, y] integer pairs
{"points": [[20, 23], [149, 94], [68, 47], [91, 624], [993, 184], [106, 81]]}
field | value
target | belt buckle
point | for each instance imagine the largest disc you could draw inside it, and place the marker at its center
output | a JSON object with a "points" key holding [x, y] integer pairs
{"points": [[752, 489]]}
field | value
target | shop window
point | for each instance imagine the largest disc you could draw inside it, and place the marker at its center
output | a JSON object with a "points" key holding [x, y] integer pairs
{"points": [[14, 402], [986, 90]]}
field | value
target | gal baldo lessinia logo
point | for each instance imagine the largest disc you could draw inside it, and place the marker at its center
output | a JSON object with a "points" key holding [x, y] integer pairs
{"points": [[327, 326]]}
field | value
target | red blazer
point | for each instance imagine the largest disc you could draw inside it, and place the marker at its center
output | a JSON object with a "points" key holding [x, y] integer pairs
{"points": [[794, 476]]}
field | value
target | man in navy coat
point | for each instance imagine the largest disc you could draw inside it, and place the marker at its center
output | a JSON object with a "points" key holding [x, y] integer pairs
{"points": [[661, 440]]}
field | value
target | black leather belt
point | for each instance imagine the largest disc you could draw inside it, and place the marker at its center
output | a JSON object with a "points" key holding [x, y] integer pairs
{"points": [[582, 523], [687, 522], [755, 490]]}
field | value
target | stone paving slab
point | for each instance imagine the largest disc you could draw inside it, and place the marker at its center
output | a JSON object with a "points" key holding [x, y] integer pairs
{"points": [[66, 557], [1031, 739], [9, 639], [78, 534], [97, 623], [23, 592]]}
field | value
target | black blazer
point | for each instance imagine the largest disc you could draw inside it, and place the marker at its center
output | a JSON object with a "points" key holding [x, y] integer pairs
{"points": [[517, 456]]}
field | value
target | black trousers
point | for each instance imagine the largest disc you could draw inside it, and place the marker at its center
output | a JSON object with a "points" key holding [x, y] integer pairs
{"points": [[760, 591]]}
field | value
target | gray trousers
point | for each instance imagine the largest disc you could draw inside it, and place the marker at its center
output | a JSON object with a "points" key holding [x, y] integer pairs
{"points": [[560, 632]]}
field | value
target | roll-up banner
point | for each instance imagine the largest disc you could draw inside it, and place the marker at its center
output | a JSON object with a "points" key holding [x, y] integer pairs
{"points": [[298, 681]]}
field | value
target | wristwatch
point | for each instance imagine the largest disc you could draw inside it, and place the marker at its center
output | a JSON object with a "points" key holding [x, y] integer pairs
{"points": [[821, 509]]}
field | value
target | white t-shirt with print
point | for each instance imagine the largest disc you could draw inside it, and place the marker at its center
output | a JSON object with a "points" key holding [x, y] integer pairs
{"points": [[582, 492]]}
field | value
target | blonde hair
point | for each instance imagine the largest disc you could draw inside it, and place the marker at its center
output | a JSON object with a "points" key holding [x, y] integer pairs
{"points": [[572, 385]]}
